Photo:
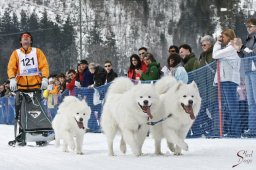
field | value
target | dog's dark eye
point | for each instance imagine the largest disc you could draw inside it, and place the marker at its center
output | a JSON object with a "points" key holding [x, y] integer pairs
{"points": [[84, 113], [192, 96], [149, 96], [184, 96], [140, 96], [77, 113]]}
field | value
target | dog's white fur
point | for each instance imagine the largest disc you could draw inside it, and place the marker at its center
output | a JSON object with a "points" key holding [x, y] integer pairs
{"points": [[71, 111], [172, 95], [121, 112]]}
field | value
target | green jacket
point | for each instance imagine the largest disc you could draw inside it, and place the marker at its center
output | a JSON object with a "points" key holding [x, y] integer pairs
{"points": [[205, 58], [191, 62], [152, 72]]}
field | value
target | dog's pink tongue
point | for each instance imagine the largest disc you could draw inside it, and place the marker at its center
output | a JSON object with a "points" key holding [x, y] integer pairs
{"points": [[192, 116], [190, 111], [147, 110], [80, 125]]}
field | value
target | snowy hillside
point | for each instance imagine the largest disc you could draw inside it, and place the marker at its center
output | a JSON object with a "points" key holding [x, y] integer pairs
{"points": [[203, 154], [134, 23], [131, 24]]}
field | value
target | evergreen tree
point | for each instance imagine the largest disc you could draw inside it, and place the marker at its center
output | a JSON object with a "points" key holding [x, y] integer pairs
{"points": [[95, 37], [15, 23], [6, 21], [23, 21], [68, 46], [111, 49], [46, 25], [33, 26], [8, 41], [95, 45], [195, 21]]}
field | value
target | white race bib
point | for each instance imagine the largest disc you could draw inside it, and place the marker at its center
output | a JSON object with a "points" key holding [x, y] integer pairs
{"points": [[28, 64]]}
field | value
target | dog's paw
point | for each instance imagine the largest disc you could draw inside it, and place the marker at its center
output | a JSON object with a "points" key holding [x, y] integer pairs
{"points": [[65, 149], [111, 154], [138, 153], [123, 148], [72, 146], [79, 153], [158, 153], [184, 146], [57, 143], [171, 147], [178, 153]]}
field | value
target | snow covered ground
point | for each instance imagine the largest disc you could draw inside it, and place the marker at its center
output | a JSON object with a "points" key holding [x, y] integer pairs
{"points": [[203, 154]]}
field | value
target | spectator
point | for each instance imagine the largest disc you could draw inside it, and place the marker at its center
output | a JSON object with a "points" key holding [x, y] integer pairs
{"points": [[87, 78], [152, 72], [189, 59], [173, 49], [62, 82], [207, 43], [71, 82], [229, 67], [79, 74], [142, 53], [2, 90], [111, 75], [209, 103], [52, 98], [8, 91], [99, 75], [174, 68], [135, 64], [243, 107], [245, 51]]}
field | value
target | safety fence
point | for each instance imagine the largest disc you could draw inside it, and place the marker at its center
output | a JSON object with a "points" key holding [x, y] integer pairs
{"points": [[227, 109]]}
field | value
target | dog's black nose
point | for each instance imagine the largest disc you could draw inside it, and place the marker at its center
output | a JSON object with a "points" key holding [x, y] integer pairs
{"points": [[145, 102], [81, 119], [190, 101]]}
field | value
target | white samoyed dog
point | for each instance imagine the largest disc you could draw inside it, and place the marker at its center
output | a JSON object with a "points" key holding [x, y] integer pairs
{"points": [[70, 123], [182, 102], [127, 109]]}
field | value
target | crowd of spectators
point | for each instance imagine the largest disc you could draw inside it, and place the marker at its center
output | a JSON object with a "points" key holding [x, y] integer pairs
{"points": [[227, 50]]}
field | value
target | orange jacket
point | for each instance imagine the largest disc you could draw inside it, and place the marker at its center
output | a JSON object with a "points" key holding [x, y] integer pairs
{"points": [[28, 82], [54, 90]]}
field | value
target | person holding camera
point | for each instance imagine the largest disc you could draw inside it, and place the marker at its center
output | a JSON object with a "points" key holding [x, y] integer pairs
{"points": [[228, 67]]}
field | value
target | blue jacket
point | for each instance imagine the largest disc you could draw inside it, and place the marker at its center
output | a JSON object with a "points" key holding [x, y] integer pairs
{"points": [[87, 78]]}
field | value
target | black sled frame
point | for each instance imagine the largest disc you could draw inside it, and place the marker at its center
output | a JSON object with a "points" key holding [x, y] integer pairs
{"points": [[32, 123]]}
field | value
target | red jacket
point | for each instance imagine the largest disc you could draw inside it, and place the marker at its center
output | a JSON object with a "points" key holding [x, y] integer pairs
{"points": [[70, 86], [144, 67], [137, 76]]}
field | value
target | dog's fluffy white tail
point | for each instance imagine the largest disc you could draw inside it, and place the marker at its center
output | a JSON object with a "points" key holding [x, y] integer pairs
{"points": [[164, 84], [120, 85]]}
